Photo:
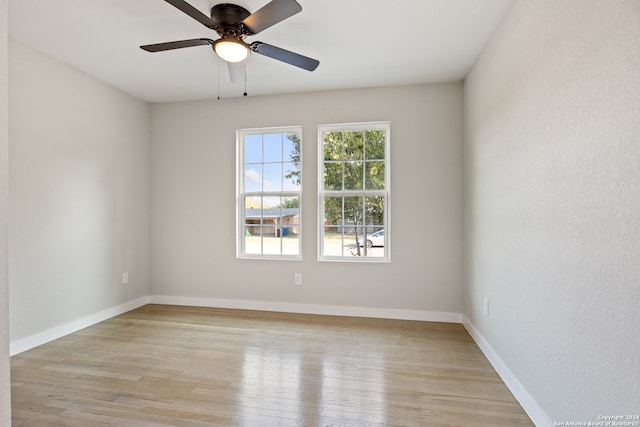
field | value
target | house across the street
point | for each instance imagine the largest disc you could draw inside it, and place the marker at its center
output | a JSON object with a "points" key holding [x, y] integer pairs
{"points": [[272, 221]]}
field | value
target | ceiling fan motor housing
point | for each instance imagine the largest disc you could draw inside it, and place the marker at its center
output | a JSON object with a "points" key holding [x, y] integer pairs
{"points": [[229, 17]]}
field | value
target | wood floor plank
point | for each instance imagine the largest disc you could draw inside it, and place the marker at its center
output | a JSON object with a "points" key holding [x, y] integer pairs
{"points": [[192, 366]]}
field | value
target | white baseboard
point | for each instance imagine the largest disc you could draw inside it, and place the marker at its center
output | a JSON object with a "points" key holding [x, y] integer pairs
{"points": [[530, 406], [331, 310], [48, 335], [43, 337]]}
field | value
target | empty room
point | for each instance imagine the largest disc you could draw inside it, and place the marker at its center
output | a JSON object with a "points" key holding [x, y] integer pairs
{"points": [[320, 213]]}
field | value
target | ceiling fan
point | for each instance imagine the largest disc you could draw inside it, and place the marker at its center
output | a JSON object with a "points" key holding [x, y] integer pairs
{"points": [[233, 23]]}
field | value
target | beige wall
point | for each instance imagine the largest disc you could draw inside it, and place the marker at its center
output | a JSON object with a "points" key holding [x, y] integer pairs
{"points": [[79, 194], [80, 198], [193, 200], [5, 383], [552, 114]]}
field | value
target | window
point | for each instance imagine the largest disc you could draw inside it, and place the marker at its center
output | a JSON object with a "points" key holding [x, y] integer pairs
{"points": [[269, 193], [354, 192]]}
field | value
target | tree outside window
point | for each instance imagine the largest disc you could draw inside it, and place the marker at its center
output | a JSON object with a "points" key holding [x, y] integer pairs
{"points": [[354, 191]]}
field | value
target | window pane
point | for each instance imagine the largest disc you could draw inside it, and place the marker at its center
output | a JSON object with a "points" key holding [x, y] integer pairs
{"points": [[290, 203], [253, 177], [291, 148], [333, 213], [354, 145], [273, 177], [271, 244], [333, 244], [358, 235], [374, 213], [252, 211], [353, 211], [291, 244], [333, 176], [252, 202], [375, 141], [273, 148], [353, 175], [374, 175], [253, 149], [333, 146], [291, 176], [270, 202], [252, 240]]}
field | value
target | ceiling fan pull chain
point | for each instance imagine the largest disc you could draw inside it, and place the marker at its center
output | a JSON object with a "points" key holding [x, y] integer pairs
{"points": [[218, 62], [245, 77]]}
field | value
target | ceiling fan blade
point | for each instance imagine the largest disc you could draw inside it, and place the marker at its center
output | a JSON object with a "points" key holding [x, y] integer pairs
{"points": [[270, 14], [283, 55], [237, 72], [159, 47], [193, 12]]}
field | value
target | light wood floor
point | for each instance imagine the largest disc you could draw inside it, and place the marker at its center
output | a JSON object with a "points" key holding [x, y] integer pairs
{"points": [[185, 366]]}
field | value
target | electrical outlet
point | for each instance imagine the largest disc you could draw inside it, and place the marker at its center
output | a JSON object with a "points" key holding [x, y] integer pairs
{"points": [[297, 279], [486, 307], [125, 278]]}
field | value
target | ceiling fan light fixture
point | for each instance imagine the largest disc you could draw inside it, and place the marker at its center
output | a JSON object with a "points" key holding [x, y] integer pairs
{"points": [[231, 50]]}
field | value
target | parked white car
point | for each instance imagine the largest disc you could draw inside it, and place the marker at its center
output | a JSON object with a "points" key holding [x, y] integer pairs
{"points": [[374, 239]]}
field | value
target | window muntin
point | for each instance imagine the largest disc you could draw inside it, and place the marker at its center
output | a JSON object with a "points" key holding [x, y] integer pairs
{"points": [[269, 193], [354, 192]]}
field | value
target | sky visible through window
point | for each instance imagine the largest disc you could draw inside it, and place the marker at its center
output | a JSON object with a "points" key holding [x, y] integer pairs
{"points": [[270, 163]]}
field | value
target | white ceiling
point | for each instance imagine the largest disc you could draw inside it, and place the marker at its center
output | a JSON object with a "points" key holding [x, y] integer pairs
{"points": [[359, 43]]}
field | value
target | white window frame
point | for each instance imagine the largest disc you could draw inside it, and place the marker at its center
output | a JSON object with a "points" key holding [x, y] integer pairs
{"points": [[241, 194], [386, 192]]}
